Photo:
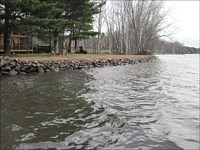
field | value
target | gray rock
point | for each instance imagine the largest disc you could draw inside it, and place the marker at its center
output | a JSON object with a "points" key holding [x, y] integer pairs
{"points": [[7, 68], [4, 73], [80, 67], [22, 73], [16, 59], [40, 65], [34, 65], [62, 69], [3, 62], [7, 58], [12, 63], [15, 66], [32, 69], [47, 70], [35, 62], [55, 69], [18, 68], [13, 72], [26, 68], [40, 69], [62, 65]]}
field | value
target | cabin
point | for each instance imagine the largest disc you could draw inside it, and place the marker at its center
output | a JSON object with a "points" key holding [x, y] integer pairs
{"points": [[21, 43]]}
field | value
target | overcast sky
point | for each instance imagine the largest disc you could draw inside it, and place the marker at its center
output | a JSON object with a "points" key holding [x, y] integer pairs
{"points": [[186, 16]]}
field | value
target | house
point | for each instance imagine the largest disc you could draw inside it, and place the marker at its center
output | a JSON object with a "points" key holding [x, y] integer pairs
{"points": [[19, 43]]}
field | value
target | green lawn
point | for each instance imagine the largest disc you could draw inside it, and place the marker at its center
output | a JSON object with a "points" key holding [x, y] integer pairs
{"points": [[34, 55], [86, 54], [49, 54]]}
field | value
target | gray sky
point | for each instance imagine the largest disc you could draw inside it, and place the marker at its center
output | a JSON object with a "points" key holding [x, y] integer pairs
{"points": [[186, 17]]}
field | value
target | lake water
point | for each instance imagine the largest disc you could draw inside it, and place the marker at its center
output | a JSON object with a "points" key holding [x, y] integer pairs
{"points": [[143, 106]]}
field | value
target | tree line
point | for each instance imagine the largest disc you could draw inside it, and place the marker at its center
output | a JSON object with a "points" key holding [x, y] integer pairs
{"points": [[167, 47], [136, 26], [120, 26], [50, 20]]}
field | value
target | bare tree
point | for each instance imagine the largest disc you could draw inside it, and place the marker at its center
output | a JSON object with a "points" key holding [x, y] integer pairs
{"points": [[135, 25]]}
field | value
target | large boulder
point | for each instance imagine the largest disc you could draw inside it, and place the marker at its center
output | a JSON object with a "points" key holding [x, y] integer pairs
{"points": [[4, 73], [26, 68], [32, 69], [13, 72], [12, 63], [7, 68], [40, 69], [18, 68], [55, 69]]}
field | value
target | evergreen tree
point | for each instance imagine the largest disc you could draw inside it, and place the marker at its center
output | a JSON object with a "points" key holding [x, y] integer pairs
{"points": [[51, 22], [27, 16], [47, 19], [11, 12], [80, 14]]}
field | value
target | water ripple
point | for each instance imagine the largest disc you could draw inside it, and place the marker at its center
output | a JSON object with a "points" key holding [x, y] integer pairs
{"points": [[145, 106]]}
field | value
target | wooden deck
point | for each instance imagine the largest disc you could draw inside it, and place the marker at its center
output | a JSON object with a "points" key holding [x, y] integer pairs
{"points": [[18, 43]]}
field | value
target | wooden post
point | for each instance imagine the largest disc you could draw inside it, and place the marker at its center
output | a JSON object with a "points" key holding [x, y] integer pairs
{"points": [[12, 42]]}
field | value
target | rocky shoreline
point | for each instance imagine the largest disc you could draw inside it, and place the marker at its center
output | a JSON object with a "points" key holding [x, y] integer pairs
{"points": [[14, 66]]}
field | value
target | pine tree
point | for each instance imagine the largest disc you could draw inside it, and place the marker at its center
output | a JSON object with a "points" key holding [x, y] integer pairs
{"points": [[47, 19], [29, 16], [80, 14], [11, 13]]}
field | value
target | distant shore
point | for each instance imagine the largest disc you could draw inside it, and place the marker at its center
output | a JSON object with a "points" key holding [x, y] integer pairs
{"points": [[54, 63]]}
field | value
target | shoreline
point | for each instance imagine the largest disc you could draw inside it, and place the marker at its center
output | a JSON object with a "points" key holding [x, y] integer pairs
{"points": [[24, 65]]}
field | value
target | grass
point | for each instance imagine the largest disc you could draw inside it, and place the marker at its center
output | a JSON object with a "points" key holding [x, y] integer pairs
{"points": [[33, 55], [85, 54], [49, 54]]}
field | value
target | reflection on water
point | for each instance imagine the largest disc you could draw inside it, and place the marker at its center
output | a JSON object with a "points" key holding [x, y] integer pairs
{"points": [[144, 106]]}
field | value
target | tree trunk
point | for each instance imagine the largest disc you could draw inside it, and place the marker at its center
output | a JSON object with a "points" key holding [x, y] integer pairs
{"points": [[55, 43], [7, 33], [69, 46], [7, 43], [75, 44], [70, 42], [50, 49]]}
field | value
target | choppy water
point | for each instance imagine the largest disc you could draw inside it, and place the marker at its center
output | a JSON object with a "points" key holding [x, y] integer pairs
{"points": [[144, 106]]}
